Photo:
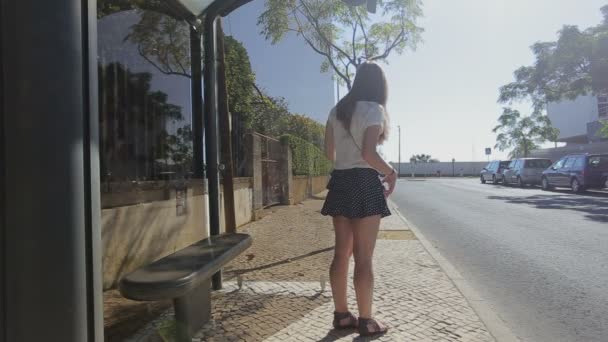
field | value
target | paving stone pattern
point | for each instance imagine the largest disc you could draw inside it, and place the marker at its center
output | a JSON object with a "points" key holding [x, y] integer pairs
{"points": [[281, 298]]}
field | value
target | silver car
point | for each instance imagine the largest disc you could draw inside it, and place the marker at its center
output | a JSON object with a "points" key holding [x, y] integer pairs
{"points": [[494, 171], [524, 171]]}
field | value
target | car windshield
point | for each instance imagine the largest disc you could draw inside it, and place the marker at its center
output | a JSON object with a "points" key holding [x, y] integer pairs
{"points": [[504, 164], [538, 163], [600, 162]]}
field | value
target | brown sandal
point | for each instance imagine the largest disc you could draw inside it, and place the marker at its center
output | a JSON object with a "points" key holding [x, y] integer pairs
{"points": [[371, 327], [345, 320]]}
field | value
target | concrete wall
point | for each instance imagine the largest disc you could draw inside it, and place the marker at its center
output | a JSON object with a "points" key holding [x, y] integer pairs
{"points": [[300, 189], [319, 184], [572, 117], [430, 169], [556, 153], [243, 202], [139, 233], [303, 187]]}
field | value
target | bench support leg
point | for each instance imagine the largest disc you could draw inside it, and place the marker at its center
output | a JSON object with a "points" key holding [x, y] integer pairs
{"points": [[192, 311]]}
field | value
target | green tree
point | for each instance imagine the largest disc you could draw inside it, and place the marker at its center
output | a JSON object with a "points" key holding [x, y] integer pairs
{"points": [[178, 148], [240, 78], [164, 42], [344, 35], [574, 65], [107, 7], [305, 128], [522, 134], [269, 116], [423, 158]]}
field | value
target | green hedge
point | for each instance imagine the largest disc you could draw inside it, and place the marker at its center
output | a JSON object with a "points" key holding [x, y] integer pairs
{"points": [[307, 159]]}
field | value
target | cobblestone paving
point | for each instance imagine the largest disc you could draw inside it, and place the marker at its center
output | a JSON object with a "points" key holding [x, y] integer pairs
{"points": [[283, 273], [289, 244]]}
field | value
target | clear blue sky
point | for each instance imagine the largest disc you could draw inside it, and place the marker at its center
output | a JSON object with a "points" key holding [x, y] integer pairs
{"points": [[444, 94]]}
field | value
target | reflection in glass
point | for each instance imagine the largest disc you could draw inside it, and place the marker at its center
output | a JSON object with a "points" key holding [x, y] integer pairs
{"points": [[151, 205]]}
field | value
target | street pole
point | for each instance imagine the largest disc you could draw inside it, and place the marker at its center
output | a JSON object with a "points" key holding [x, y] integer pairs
{"points": [[399, 167]]}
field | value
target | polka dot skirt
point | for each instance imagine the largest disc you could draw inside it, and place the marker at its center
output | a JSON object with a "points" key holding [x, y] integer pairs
{"points": [[355, 193]]}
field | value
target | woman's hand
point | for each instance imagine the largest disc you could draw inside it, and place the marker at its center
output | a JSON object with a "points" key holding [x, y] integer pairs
{"points": [[391, 180]]}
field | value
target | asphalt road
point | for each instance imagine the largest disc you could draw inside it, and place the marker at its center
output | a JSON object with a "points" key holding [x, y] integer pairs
{"points": [[539, 258]]}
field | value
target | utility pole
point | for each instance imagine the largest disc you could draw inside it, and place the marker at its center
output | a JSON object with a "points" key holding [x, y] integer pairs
{"points": [[399, 167]]}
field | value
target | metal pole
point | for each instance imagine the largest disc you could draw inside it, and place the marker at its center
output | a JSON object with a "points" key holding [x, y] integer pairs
{"points": [[399, 167], [211, 143], [226, 133], [197, 103], [50, 238]]}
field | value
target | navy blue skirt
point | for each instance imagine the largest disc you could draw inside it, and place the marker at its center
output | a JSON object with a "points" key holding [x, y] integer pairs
{"points": [[355, 193]]}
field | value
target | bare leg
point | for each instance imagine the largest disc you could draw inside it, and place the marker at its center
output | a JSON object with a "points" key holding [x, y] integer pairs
{"points": [[338, 271], [365, 232]]}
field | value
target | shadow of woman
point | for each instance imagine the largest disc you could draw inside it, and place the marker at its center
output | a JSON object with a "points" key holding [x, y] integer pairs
{"points": [[334, 335]]}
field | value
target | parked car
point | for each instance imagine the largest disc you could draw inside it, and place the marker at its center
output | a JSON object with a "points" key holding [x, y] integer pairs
{"points": [[578, 172], [493, 171], [524, 171]]}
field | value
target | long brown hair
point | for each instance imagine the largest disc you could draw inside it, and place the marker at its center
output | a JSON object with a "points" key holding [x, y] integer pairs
{"points": [[369, 85]]}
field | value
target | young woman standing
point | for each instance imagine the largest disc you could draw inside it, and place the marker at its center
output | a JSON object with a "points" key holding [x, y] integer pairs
{"points": [[357, 193]]}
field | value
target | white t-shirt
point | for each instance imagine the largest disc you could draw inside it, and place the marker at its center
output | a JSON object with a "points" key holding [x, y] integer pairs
{"points": [[348, 149]]}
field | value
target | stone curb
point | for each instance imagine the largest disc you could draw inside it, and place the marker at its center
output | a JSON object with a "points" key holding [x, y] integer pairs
{"points": [[495, 325]]}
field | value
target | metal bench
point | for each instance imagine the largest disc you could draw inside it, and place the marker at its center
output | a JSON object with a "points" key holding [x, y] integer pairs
{"points": [[185, 277]]}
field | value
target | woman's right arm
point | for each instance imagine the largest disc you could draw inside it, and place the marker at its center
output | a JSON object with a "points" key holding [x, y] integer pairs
{"points": [[370, 154], [330, 148]]}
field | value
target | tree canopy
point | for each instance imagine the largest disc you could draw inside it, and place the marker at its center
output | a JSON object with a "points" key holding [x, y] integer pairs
{"points": [[163, 41], [272, 117], [422, 158], [522, 134], [575, 64], [107, 7], [240, 78], [344, 35]]}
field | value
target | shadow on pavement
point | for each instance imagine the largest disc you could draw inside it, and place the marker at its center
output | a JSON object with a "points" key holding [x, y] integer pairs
{"points": [[253, 315], [231, 273], [595, 205], [334, 335]]}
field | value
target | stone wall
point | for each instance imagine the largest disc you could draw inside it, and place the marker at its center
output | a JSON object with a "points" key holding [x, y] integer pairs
{"points": [[447, 169]]}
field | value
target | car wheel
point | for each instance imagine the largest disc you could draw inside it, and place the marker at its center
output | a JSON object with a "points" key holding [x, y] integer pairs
{"points": [[576, 186], [494, 180], [520, 183], [483, 180], [545, 184]]}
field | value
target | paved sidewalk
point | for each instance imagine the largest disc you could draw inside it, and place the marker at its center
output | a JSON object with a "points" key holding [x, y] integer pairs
{"points": [[285, 294]]}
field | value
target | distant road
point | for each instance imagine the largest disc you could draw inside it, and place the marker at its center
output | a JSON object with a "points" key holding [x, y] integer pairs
{"points": [[539, 258]]}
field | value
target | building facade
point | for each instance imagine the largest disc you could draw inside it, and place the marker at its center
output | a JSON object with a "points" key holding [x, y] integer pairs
{"points": [[579, 120]]}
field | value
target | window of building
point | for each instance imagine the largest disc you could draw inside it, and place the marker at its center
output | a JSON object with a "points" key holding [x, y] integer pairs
{"points": [[602, 106]]}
